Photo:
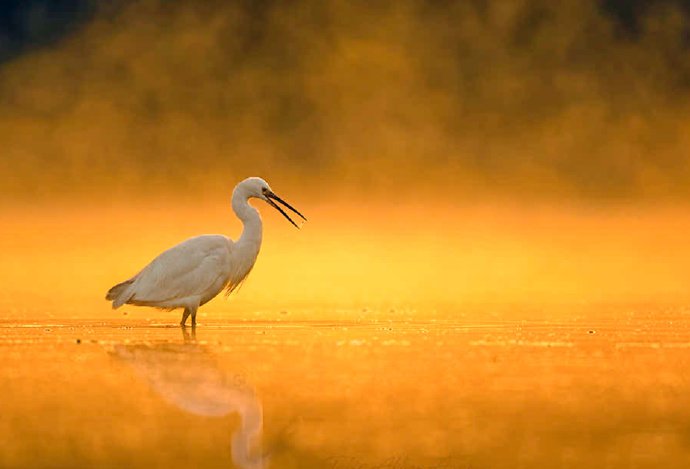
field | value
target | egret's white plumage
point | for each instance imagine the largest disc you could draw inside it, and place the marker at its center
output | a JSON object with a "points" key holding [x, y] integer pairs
{"points": [[196, 270]]}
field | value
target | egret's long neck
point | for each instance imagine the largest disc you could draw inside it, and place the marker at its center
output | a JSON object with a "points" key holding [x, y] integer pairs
{"points": [[251, 234]]}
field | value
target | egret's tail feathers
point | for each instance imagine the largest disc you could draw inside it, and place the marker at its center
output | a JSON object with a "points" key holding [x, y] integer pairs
{"points": [[120, 293]]}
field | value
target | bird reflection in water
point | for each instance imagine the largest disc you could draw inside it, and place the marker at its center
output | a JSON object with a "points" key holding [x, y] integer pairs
{"points": [[187, 376]]}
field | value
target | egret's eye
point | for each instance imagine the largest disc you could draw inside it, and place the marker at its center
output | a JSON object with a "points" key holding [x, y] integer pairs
{"points": [[264, 189]]}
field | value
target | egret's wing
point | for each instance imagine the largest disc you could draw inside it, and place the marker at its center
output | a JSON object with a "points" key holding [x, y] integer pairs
{"points": [[188, 269]]}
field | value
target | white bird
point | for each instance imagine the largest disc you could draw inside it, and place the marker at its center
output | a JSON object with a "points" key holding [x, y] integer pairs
{"points": [[196, 270]]}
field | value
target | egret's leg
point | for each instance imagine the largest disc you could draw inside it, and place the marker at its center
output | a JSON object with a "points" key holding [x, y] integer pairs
{"points": [[193, 317], [185, 315]]}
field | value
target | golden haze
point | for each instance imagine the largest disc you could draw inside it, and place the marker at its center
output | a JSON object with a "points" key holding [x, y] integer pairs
{"points": [[381, 256], [401, 136], [525, 98]]}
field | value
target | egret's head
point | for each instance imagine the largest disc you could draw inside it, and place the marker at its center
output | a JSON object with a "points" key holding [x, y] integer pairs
{"points": [[258, 188], [255, 187]]}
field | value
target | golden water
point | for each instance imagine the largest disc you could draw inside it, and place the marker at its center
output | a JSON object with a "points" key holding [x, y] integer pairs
{"points": [[388, 392]]}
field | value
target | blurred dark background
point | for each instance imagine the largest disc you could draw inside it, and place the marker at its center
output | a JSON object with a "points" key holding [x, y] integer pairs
{"points": [[585, 100]]}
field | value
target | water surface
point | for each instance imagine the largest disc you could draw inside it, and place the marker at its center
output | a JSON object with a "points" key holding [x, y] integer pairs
{"points": [[600, 388]]}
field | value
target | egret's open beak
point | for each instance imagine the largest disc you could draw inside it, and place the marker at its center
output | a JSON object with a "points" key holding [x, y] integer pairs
{"points": [[271, 195]]}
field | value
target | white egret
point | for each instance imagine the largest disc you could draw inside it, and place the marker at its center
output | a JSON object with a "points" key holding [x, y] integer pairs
{"points": [[196, 270]]}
